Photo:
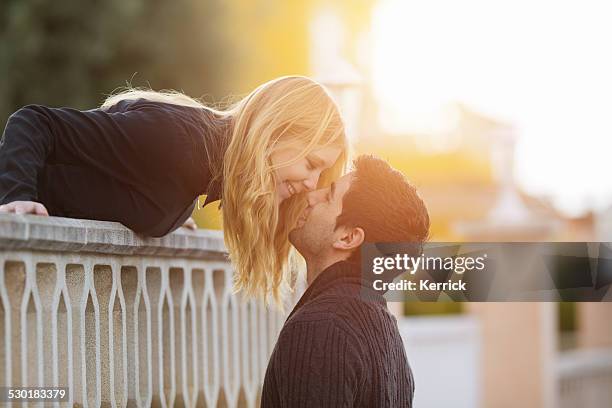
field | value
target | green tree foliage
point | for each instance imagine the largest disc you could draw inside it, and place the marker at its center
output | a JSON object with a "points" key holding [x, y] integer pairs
{"points": [[75, 52]]}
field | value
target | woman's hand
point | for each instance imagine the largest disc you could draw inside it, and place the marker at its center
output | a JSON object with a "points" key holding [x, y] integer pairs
{"points": [[24, 207], [190, 224]]}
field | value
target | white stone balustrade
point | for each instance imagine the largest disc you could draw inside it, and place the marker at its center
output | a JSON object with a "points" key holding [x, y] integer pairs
{"points": [[585, 378], [127, 321]]}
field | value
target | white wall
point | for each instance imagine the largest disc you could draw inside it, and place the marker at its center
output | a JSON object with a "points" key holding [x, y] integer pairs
{"points": [[444, 355]]}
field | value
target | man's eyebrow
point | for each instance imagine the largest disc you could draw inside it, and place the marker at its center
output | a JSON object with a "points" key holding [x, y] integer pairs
{"points": [[333, 190]]}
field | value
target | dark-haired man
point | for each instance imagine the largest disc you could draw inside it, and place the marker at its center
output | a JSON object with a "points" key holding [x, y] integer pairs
{"points": [[340, 346]]}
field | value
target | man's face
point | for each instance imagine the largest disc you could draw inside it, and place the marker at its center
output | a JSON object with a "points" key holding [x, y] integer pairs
{"points": [[315, 231]]}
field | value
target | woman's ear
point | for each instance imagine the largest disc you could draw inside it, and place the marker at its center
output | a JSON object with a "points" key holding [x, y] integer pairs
{"points": [[350, 239]]}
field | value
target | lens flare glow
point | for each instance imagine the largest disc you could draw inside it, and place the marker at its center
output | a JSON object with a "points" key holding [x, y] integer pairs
{"points": [[542, 65]]}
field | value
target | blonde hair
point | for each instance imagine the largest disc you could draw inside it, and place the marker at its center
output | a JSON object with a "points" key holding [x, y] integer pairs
{"points": [[292, 111], [165, 96]]}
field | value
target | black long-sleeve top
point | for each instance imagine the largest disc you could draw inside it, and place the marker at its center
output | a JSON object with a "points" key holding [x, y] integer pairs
{"points": [[138, 162], [340, 347]]}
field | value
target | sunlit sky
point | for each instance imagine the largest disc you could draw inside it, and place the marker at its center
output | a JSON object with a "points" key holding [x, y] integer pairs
{"points": [[544, 66]]}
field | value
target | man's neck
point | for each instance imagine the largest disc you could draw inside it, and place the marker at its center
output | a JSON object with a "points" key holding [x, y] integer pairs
{"points": [[316, 265]]}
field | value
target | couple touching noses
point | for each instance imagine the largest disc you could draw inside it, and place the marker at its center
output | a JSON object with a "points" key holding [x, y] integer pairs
{"points": [[340, 346], [143, 158]]}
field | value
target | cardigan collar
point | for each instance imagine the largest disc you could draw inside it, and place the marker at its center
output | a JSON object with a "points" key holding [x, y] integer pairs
{"points": [[216, 145], [342, 273], [213, 191]]}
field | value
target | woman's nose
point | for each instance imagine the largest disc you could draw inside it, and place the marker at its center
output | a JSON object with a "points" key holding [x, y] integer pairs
{"points": [[314, 197], [311, 182]]}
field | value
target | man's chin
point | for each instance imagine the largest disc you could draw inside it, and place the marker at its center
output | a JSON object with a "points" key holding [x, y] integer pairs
{"points": [[295, 236]]}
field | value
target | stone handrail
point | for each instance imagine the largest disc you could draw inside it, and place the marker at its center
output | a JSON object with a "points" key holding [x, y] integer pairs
{"points": [[585, 378], [123, 320]]}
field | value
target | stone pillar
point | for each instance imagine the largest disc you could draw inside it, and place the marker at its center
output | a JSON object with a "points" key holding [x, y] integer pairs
{"points": [[518, 343], [594, 325], [518, 339]]}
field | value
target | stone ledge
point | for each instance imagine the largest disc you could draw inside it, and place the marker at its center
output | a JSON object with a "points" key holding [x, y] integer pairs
{"points": [[57, 234]]}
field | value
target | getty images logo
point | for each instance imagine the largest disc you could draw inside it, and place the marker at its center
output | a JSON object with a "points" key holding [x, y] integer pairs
{"points": [[411, 264]]}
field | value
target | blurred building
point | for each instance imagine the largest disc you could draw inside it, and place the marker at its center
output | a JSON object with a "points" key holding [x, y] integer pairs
{"points": [[492, 354]]}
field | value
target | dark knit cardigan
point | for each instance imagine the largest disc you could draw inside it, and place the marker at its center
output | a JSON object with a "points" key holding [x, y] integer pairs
{"points": [[340, 347]]}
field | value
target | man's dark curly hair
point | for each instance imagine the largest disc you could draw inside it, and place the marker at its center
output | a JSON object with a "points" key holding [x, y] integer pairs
{"points": [[384, 204]]}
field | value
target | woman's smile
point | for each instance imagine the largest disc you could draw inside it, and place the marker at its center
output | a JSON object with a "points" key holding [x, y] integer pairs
{"points": [[291, 189]]}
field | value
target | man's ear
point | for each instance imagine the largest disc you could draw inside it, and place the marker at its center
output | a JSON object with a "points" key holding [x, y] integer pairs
{"points": [[350, 239]]}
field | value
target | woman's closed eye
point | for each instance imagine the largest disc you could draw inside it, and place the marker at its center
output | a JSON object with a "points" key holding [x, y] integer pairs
{"points": [[315, 162], [310, 166]]}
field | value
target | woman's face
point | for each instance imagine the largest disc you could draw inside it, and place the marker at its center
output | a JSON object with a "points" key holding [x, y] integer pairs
{"points": [[304, 174]]}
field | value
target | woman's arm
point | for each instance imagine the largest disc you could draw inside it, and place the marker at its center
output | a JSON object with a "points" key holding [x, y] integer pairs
{"points": [[121, 165], [25, 145]]}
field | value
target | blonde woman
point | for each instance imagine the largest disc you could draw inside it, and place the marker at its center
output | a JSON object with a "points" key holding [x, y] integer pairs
{"points": [[144, 157]]}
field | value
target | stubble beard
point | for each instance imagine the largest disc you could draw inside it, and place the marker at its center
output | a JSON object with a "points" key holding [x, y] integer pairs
{"points": [[307, 243]]}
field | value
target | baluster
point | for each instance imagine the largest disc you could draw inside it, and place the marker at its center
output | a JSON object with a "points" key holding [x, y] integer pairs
{"points": [[92, 336], [230, 340], [176, 283], [62, 347], [129, 285], [190, 348], [5, 329], [77, 292], [46, 282], [143, 315], [12, 287], [117, 339], [167, 356], [249, 340], [211, 337], [198, 310], [154, 285], [31, 323], [102, 279], [262, 337]]}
